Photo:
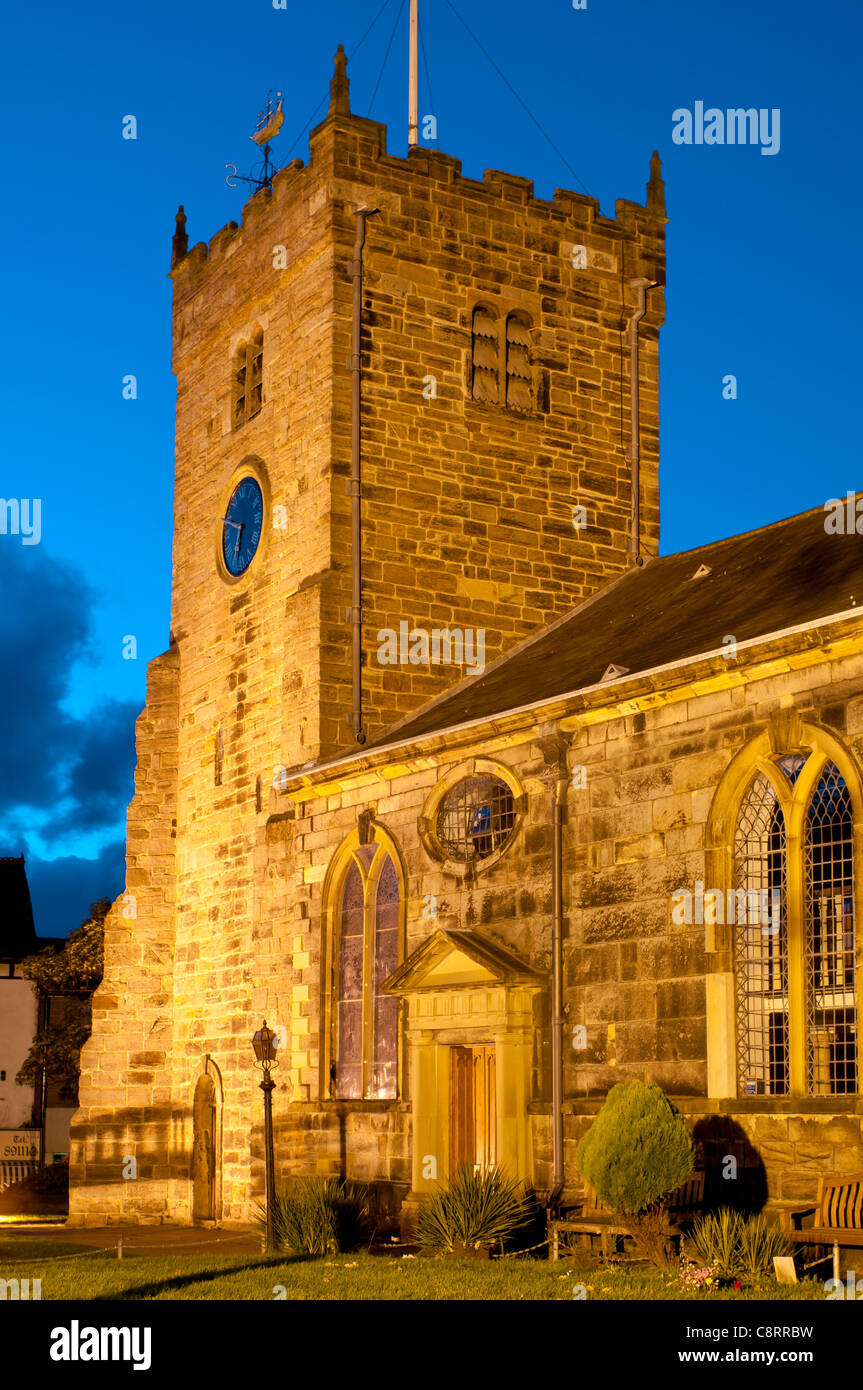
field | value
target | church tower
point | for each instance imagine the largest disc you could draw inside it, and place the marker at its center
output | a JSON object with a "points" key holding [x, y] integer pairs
{"points": [[492, 479]]}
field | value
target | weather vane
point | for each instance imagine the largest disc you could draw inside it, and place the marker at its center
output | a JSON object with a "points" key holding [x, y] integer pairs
{"points": [[269, 124]]}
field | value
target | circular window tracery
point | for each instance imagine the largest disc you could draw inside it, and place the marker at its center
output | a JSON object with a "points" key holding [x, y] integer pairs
{"points": [[476, 818]]}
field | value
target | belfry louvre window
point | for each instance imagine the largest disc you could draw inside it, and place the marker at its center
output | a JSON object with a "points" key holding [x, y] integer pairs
{"points": [[247, 383], [365, 1020], [476, 818], [484, 357], [794, 931], [519, 389]]}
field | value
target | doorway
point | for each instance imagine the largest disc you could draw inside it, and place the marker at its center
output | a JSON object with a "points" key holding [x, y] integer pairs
{"points": [[473, 1129], [204, 1151]]}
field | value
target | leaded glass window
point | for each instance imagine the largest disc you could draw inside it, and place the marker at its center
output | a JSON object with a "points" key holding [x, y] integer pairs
{"points": [[349, 1066], [761, 943], [476, 818], [384, 1072], [794, 932], [367, 948], [830, 966]]}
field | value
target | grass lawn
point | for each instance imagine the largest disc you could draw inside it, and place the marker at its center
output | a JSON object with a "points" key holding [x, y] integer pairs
{"points": [[349, 1277]]}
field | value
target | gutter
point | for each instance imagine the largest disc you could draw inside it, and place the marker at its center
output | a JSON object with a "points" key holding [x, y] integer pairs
{"points": [[355, 483], [385, 752], [635, 427], [558, 815]]}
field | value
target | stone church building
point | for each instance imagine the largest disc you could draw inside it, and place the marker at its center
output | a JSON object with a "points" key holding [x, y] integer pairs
{"points": [[530, 812]]}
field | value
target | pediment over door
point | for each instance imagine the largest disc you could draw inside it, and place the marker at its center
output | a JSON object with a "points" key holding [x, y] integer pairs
{"points": [[451, 959]]}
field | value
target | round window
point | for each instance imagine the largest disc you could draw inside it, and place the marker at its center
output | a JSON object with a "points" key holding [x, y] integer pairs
{"points": [[476, 818]]}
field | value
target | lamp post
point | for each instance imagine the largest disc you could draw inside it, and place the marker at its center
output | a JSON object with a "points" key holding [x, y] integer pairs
{"points": [[264, 1043]]}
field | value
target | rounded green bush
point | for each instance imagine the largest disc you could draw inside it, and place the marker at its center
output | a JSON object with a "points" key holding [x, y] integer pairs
{"points": [[638, 1148]]}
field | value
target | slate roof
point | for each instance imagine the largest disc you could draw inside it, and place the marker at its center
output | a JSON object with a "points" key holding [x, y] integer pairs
{"points": [[17, 933], [784, 575]]}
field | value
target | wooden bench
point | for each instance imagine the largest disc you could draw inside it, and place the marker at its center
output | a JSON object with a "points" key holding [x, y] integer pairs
{"points": [[837, 1216], [591, 1218]]}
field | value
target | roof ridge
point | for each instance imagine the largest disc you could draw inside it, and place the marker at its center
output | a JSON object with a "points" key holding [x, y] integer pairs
{"points": [[740, 535]]}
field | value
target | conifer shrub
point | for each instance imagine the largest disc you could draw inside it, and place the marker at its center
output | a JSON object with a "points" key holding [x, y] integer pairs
{"points": [[474, 1211], [317, 1216], [636, 1152]]}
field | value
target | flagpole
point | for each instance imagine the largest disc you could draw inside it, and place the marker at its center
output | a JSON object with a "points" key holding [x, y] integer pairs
{"points": [[413, 94]]}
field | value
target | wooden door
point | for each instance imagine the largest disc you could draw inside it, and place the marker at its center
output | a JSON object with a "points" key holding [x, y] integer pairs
{"points": [[473, 1128]]}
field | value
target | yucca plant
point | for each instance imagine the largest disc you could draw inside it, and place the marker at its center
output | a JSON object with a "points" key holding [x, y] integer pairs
{"points": [[317, 1216], [759, 1244], [716, 1238], [475, 1210], [735, 1247]]}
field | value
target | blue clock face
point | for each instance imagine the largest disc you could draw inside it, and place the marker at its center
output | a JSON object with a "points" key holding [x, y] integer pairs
{"points": [[242, 525]]}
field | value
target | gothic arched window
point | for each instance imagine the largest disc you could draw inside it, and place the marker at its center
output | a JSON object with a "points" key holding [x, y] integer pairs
{"points": [[828, 860], [792, 912], [366, 936], [761, 944]]}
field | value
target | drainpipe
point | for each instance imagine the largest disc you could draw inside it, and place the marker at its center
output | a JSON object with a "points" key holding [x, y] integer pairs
{"points": [[354, 486], [558, 813], [634, 443]]}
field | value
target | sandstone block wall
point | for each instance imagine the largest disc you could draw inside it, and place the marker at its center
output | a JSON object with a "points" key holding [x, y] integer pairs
{"points": [[467, 522], [634, 980], [126, 1095], [468, 506]]}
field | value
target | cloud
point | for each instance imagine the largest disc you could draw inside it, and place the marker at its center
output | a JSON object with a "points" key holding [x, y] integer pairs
{"points": [[62, 890], [60, 776], [99, 784], [44, 629]]}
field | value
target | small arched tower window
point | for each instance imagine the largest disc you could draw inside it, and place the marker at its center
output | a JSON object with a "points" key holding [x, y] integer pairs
{"points": [[247, 380], [484, 357], [519, 377], [256, 375], [239, 386]]}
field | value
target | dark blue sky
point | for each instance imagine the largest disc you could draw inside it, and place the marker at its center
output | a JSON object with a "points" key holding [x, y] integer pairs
{"points": [[762, 283]]}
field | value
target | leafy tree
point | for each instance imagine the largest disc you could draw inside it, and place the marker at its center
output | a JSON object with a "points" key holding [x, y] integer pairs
{"points": [[70, 972], [636, 1152]]}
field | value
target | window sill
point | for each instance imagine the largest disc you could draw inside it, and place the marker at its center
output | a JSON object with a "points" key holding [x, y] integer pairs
{"points": [[726, 1105]]}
